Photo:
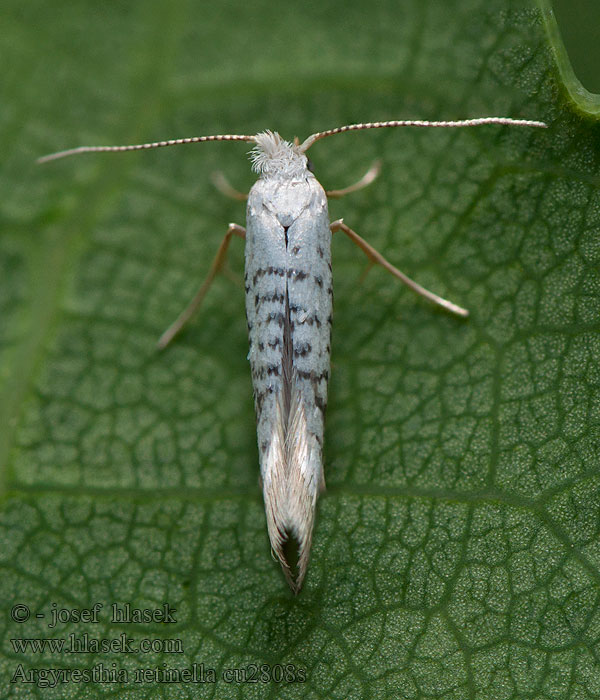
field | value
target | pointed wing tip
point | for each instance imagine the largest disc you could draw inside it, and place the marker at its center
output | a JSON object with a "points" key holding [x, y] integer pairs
{"points": [[296, 580]]}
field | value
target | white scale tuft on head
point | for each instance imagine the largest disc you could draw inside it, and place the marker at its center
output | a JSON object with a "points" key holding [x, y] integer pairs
{"points": [[273, 156]]}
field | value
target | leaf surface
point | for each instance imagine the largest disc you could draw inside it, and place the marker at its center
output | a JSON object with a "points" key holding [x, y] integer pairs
{"points": [[456, 551]]}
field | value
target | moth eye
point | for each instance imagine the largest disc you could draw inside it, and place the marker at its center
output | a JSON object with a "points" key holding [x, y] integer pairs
{"points": [[309, 165]]}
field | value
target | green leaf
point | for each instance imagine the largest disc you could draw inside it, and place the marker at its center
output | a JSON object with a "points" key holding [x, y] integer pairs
{"points": [[456, 552]]}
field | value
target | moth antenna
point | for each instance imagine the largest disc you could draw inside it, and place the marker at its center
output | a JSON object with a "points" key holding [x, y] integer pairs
{"points": [[144, 146], [419, 122]]}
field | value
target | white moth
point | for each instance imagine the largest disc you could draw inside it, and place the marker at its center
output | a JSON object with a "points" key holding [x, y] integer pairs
{"points": [[289, 301]]}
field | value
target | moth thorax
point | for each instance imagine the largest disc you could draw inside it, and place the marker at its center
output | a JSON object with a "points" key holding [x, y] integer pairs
{"points": [[274, 157]]}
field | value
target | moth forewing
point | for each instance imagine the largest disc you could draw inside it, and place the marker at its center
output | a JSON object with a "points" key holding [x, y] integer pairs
{"points": [[289, 301]]}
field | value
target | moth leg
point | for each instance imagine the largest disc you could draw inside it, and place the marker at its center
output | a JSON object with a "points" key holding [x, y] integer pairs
{"points": [[192, 307], [222, 184], [376, 257], [364, 181]]}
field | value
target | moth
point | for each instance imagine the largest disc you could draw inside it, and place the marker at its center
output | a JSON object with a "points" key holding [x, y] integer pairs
{"points": [[289, 305]]}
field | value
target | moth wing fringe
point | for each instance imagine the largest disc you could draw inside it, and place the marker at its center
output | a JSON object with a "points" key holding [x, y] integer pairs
{"points": [[289, 486]]}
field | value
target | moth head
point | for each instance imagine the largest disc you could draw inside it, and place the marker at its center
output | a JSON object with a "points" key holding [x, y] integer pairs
{"points": [[273, 157]]}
